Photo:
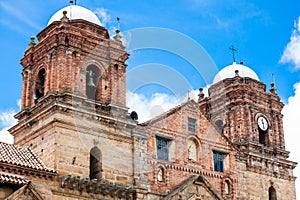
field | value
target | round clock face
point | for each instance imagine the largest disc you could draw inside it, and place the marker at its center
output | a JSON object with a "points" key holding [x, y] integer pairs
{"points": [[262, 123]]}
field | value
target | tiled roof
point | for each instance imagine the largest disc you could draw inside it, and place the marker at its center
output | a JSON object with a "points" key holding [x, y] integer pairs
{"points": [[12, 178], [21, 156]]}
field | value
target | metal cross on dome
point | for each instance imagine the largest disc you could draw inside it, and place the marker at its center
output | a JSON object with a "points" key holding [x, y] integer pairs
{"points": [[233, 50]]}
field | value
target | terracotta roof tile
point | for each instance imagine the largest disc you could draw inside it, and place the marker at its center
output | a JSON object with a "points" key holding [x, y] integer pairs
{"points": [[21, 156], [12, 178]]}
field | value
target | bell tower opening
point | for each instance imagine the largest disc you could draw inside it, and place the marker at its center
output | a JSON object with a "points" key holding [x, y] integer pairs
{"points": [[262, 137], [95, 163], [272, 193], [92, 79], [40, 84]]}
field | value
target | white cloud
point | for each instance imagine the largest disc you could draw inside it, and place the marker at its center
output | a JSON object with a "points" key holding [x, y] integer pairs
{"points": [[106, 20], [291, 130], [7, 120], [291, 53], [147, 108], [102, 13], [6, 137]]}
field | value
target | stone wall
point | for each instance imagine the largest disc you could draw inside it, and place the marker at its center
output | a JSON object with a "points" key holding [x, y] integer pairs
{"points": [[255, 186]]}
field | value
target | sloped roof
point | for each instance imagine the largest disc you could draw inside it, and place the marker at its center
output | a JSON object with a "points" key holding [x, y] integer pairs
{"points": [[12, 178], [21, 156]]}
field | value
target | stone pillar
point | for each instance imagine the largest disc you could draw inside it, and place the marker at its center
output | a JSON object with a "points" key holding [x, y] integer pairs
{"points": [[140, 158]]}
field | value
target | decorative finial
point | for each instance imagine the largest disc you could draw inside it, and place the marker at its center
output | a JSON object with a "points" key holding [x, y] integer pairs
{"points": [[32, 41], [273, 77], [233, 50], [118, 20], [236, 73], [118, 36], [201, 94], [273, 89], [64, 18]]}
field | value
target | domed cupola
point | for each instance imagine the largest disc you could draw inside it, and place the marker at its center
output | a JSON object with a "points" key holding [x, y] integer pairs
{"points": [[76, 12], [230, 71]]}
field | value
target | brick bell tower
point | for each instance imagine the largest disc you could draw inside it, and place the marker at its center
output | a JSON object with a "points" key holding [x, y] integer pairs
{"points": [[73, 110], [240, 108]]}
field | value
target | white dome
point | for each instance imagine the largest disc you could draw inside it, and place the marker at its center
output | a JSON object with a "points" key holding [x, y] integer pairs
{"points": [[229, 72], [76, 12]]}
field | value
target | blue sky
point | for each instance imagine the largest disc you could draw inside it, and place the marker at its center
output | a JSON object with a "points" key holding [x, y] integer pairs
{"points": [[261, 31]]}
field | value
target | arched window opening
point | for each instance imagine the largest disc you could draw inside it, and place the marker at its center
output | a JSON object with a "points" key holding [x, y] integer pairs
{"points": [[40, 84], [67, 41], [272, 193], [263, 126], [192, 150], [92, 78], [160, 174], [219, 125], [226, 187], [95, 163]]}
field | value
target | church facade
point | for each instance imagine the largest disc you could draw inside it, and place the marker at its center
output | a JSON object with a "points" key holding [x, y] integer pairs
{"points": [[76, 140]]}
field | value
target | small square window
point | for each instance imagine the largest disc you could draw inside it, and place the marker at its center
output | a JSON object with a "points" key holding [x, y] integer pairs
{"points": [[192, 124], [162, 148]]}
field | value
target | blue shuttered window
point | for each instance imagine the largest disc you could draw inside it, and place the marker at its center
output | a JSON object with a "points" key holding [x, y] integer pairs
{"points": [[162, 148], [218, 161]]}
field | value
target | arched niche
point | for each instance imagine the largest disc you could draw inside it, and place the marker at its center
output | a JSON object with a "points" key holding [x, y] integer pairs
{"points": [[193, 149], [227, 187], [160, 174], [92, 79]]}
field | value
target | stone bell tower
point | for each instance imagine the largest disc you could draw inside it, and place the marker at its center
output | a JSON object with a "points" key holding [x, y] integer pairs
{"points": [[73, 110], [240, 108]]}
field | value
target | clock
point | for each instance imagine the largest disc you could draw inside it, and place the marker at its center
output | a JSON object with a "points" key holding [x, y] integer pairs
{"points": [[262, 123]]}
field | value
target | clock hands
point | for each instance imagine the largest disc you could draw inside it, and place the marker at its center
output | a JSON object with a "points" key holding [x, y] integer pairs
{"points": [[262, 122]]}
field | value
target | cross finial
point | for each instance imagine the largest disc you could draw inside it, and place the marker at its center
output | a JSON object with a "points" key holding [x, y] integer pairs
{"points": [[118, 20], [71, 2], [273, 77], [233, 50]]}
